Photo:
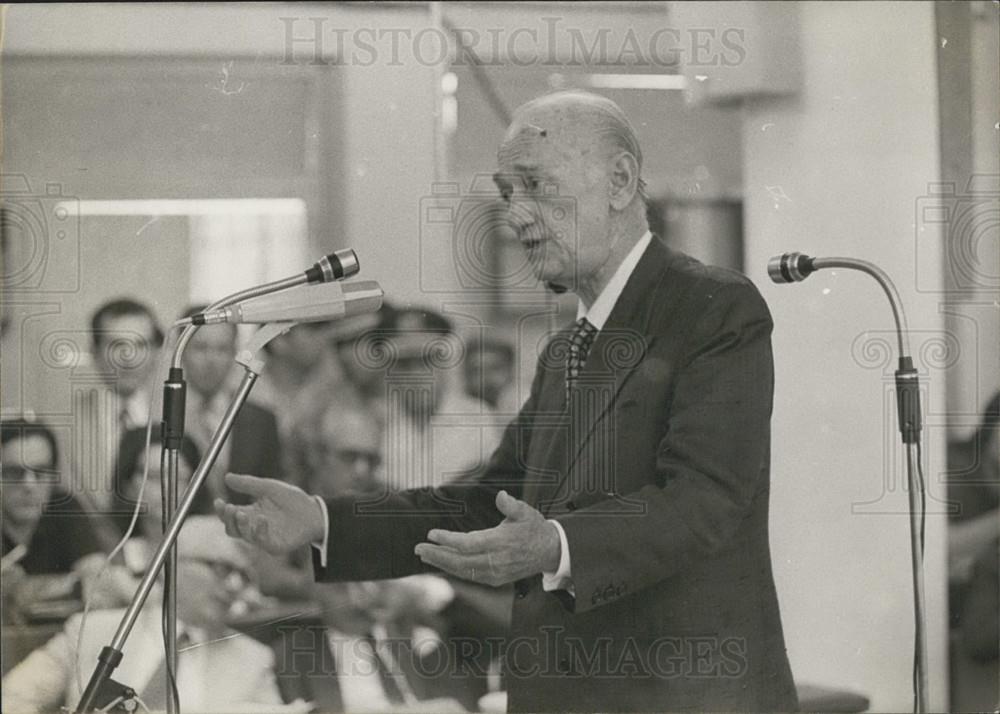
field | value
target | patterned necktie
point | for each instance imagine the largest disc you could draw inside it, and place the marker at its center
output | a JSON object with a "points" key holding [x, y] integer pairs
{"points": [[579, 347]]}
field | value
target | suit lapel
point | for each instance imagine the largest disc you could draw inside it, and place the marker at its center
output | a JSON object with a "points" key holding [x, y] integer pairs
{"points": [[617, 352], [548, 423]]}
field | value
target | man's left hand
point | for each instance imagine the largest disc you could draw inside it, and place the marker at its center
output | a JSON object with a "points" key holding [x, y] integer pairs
{"points": [[523, 545]]}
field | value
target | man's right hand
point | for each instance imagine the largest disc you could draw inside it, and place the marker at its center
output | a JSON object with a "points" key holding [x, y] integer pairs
{"points": [[281, 519]]}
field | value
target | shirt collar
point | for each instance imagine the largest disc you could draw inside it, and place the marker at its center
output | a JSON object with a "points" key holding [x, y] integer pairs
{"points": [[599, 312]]}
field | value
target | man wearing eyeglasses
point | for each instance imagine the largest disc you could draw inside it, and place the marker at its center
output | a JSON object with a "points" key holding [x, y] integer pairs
{"points": [[45, 531], [218, 669]]}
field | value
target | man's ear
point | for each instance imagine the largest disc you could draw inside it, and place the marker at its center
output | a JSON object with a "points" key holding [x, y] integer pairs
{"points": [[624, 180]]}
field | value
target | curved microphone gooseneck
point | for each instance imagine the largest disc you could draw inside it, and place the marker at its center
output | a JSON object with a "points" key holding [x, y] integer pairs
{"points": [[796, 267]]}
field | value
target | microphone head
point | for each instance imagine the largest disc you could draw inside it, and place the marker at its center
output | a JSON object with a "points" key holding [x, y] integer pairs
{"points": [[336, 266], [790, 267]]}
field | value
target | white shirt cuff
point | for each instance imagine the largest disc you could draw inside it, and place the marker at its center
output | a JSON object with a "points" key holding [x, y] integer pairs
{"points": [[562, 579], [322, 545]]}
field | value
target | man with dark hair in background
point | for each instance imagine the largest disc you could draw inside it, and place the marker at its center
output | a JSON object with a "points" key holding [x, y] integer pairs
{"points": [[39, 517], [126, 338], [253, 445]]}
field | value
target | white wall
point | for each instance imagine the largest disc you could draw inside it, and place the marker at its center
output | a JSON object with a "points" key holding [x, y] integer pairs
{"points": [[849, 158], [386, 109]]}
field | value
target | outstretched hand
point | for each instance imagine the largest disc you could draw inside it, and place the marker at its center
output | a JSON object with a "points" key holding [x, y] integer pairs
{"points": [[281, 518], [523, 545]]}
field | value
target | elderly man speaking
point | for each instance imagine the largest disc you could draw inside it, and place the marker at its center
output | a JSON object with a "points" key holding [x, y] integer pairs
{"points": [[628, 500]]}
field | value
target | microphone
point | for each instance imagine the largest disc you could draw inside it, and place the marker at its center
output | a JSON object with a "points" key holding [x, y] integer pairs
{"points": [[306, 303], [790, 267], [337, 265], [795, 267]]}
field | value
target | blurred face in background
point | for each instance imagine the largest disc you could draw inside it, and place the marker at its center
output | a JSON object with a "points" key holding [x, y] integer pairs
{"points": [[362, 369], [419, 368], [211, 585], [28, 477], [209, 358], [125, 351], [347, 454], [304, 346], [488, 372]]}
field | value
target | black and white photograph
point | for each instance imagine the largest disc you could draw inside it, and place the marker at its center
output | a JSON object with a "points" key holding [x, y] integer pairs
{"points": [[500, 357]]}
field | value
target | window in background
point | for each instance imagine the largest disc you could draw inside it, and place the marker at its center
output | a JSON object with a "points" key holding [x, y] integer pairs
{"points": [[231, 243]]}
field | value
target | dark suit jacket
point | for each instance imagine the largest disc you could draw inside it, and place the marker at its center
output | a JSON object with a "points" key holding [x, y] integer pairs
{"points": [[65, 533], [658, 470]]}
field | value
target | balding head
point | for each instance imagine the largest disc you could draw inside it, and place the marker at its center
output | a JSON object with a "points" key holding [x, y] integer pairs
{"points": [[570, 171], [580, 120]]}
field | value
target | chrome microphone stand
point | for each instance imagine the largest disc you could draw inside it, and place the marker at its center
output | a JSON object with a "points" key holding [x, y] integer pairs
{"points": [[335, 266], [795, 267], [111, 655]]}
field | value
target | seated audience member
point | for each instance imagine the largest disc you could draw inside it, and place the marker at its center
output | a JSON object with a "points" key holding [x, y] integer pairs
{"points": [[39, 517], [360, 345], [218, 669], [489, 374], [974, 494], [116, 587], [347, 456], [126, 338], [343, 458], [132, 461], [973, 556], [253, 446], [981, 609], [974, 468], [434, 431], [380, 649], [302, 372]]}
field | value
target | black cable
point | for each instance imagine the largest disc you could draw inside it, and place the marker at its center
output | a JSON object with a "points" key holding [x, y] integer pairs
{"points": [[172, 694], [923, 499], [918, 625], [172, 689]]}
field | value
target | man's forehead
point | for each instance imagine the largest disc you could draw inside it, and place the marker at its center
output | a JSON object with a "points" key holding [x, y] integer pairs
{"points": [[524, 148], [30, 449], [542, 141]]}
